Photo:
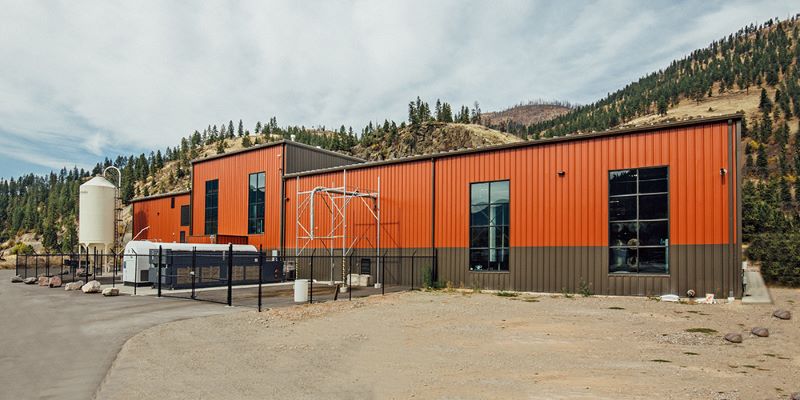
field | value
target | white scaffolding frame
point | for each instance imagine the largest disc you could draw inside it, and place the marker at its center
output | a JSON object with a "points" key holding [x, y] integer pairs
{"points": [[336, 200]]}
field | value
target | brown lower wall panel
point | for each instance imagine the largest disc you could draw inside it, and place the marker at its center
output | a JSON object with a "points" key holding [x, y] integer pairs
{"points": [[703, 268]]}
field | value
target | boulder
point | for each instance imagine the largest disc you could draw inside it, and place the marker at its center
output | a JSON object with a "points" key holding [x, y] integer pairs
{"points": [[782, 314], [55, 281], [16, 279], [74, 285], [110, 291], [44, 281], [91, 287], [796, 396], [30, 280], [734, 338], [760, 332]]}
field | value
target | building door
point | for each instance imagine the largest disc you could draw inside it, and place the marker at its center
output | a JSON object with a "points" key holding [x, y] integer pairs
{"points": [[183, 236]]}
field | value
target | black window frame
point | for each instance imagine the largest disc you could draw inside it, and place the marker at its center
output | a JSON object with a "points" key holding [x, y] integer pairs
{"points": [[255, 223], [477, 230], [212, 212], [638, 194]]}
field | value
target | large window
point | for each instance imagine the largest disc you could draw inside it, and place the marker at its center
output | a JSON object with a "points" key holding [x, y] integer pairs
{"points": [[638, 215], [186, 215], [255, 204], [488, 226], [212, 203]]}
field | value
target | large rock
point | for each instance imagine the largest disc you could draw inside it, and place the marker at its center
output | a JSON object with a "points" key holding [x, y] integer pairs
{"points": [[110, 291], [30, 280], [760, 332], [734, 338], [91, 287], [796, 396], [55, 281], [44, 281], [782, 314], [74, 285], [16, 279]]}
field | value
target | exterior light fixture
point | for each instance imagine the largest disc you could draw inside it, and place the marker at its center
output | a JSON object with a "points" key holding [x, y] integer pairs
{"points": [[561, 173], [723, 171]]}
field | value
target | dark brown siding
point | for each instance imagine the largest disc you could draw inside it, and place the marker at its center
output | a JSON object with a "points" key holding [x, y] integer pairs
{"points": [[301, 158]]}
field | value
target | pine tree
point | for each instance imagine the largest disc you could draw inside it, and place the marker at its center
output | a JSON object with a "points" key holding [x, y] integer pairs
{"points": [[240, 131], [762, 163], [765, 105]]}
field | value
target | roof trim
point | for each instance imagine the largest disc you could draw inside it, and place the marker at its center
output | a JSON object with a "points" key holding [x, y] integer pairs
{"points": [[161, 196], [527, 143], [276, 143]]}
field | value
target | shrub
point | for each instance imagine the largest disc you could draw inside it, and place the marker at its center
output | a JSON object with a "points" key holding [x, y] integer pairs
{"points": [[22, 248], [779, 255]]}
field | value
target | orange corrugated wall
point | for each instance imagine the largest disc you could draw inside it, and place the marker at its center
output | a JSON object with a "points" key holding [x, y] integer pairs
{"points": [[164, 221], [405, 206], [548, 210], [233, 172]]}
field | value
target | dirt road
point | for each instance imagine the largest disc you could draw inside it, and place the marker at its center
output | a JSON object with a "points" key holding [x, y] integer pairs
{"points": [[451, 345]]}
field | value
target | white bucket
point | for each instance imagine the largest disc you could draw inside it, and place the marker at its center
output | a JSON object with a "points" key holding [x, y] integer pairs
{"points": [[301, 290]]}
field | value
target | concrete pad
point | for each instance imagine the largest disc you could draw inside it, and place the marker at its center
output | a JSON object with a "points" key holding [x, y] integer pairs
{"points": [[756, 292]]}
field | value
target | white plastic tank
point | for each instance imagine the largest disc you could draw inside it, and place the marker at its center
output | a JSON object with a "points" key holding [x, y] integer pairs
{"points": [[96, 214]]}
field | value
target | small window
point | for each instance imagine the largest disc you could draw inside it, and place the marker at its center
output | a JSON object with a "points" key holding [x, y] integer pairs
{"points": [[638, 215], [212, 206], [489, 222], [255, 204], [186, 215], [172, 202]]}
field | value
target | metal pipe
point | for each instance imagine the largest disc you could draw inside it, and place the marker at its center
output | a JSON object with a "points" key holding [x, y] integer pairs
{"points": [[159, 271], [260, 273], [194, 269], [230, 275]]}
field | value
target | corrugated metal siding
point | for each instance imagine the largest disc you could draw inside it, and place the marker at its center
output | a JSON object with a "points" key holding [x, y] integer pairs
{"points": [[300, 158], [164, 222], [405, 204], [233, 173]]}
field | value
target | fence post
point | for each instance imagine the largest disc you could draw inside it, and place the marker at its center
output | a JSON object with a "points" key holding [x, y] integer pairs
{"points": [[26, 263], [114, 272], [72, 267], [159, 271], [260, 273], [194, 269], [16, 264], [36, 265], [382, 270], [94, 269], [311, 280], [230, 273], [47, 263]]}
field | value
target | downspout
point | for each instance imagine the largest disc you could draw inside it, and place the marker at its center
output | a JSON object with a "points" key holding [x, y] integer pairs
{"points": [[283, 200], [739, 163], [435, 267]]}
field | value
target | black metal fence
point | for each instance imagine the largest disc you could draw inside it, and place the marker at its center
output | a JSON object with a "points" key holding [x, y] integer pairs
{"points": [[238, 278]]}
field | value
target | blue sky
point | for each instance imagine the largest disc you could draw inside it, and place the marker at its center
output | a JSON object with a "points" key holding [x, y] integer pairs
{"points": [[83, 80]]}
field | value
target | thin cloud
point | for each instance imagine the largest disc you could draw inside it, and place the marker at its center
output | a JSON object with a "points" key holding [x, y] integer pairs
{"points": [[84, 80]]}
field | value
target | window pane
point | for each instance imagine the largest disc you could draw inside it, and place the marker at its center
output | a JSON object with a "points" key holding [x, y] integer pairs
{"points": [[653, 260], [499, 214], [622, 208], [261, 180], [622, 234], [622, 182], [479, 237], [622, 260], [479, 260], [498, 260], [653, 206], [652, 173], [498, 237], [654, 233], [654, 186], [479, 193], [499, 192], [478, 215]]}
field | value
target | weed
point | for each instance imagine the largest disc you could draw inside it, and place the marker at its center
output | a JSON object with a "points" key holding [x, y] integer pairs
{"points": [[585, 289], [689, 353], [658, 360], [707, 331], [476, 287], [504, 293], [566, 293], [531, 299], [616, 308], [770, 355]]}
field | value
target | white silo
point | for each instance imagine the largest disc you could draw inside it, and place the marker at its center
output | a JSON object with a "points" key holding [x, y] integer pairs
{"points": [[97, 215]]}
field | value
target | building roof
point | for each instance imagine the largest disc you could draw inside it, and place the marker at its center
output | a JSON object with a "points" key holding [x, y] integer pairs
{"points": [[276, 143], [161, 195], [528, 143]]}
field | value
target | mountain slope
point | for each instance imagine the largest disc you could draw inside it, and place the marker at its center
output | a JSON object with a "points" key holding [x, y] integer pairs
{"points": [[517, 118]]}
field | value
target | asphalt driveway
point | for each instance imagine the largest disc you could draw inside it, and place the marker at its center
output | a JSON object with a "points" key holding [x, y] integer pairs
{"points": [[58, 344]]}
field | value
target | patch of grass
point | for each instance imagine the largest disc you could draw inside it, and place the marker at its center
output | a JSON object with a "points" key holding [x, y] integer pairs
{"points": [[693, 311], [504, 293], [707, 331], [531, 299], [566, 293], [616, 308], [750, 366], [585, 289], [691, 353], [659, 360]]}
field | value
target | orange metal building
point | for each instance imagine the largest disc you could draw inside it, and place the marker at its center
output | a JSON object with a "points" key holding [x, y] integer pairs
{"points": [[640, 211], [159, 217]]}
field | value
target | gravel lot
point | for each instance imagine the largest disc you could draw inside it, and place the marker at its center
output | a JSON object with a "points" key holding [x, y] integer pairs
{"points": [[464, 346]]}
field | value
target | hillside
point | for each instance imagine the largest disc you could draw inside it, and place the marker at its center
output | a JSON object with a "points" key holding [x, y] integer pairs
{"points": [[515, 119]]}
